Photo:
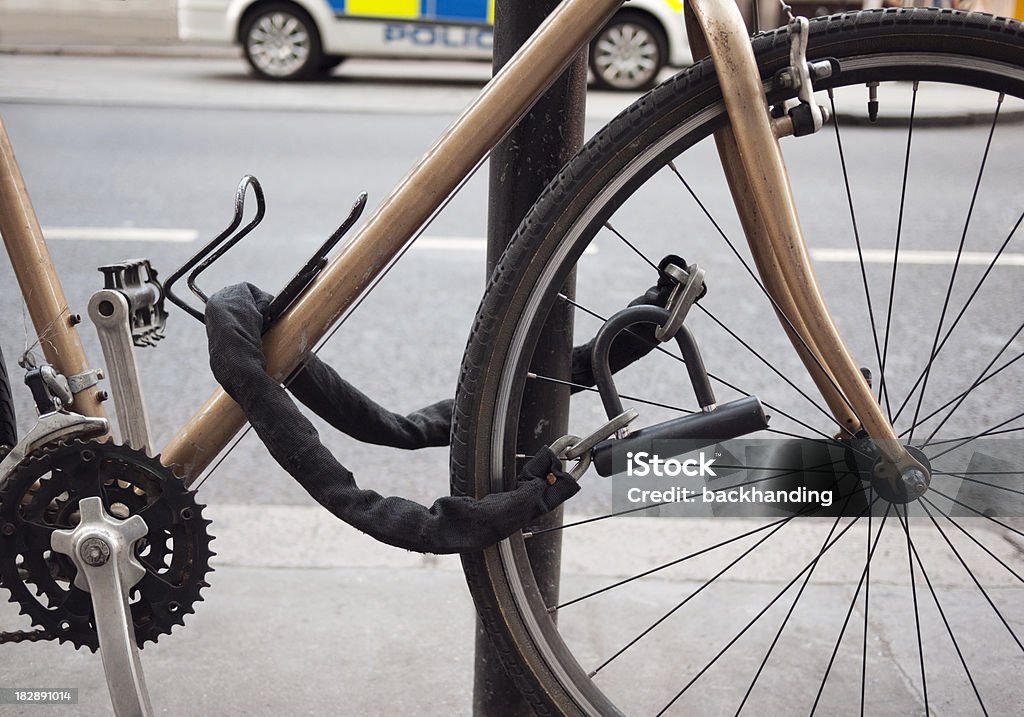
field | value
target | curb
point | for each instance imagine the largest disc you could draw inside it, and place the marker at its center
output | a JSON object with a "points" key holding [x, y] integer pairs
{"points": [[954, 117], [179, 50]]}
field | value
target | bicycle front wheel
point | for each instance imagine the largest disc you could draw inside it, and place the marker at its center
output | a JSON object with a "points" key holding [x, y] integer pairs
{"points": [[913, 226]]}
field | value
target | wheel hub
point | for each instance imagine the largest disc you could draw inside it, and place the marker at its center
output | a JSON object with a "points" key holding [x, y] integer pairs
{"points": [[886, 479], [901, 487]]}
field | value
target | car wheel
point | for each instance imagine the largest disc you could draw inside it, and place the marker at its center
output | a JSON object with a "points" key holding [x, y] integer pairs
{"points": [[330, 62], [281, 42], [628, 53]]}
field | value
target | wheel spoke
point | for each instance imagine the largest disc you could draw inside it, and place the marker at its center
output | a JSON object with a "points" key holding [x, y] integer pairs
{"points": [[987, 432], [981, 379], [789, 382], [967, 439], [792, 608], [869, 550], [807, 511], [956, 265], [591, 389], [986, 516], [963, 398], [974, 578], [942, 614], [631, 245], [882, 388], [595, 519], [969, 479], [975, 540], [849, 612], [661, 349], [692, 595], [778, 309], [963, 310], [905, 521], [860, 251], [809, 567]]}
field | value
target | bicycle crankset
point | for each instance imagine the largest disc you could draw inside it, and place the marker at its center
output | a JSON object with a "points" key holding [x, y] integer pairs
{"points": [[42, 495]]}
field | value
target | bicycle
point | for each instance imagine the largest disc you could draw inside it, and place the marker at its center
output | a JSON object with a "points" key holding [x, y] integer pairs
{"points": [[746, 111]]}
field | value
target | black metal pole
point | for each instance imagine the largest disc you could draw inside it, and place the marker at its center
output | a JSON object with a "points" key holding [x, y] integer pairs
{"points": [[520, 167]]}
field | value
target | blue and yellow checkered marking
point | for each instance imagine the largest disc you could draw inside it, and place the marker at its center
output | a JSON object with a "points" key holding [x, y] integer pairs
{"points": [[471, 11]]}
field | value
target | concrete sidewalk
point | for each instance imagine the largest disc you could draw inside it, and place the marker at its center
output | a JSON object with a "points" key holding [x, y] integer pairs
{"points": [[306, 616], [66, 23]]}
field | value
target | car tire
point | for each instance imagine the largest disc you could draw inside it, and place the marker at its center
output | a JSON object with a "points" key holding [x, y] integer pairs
{"points": [[329, 62], [281, 42], [628, 53]]}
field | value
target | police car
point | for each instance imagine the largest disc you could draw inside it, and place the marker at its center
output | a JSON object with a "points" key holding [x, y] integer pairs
{"points": [[298, 39]]}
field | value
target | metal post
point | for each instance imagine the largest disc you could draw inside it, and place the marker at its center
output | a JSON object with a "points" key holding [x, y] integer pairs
{"points": [[520, 167]]}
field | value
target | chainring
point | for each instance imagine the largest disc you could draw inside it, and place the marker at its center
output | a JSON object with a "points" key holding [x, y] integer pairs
{"points": [[41, 495]]}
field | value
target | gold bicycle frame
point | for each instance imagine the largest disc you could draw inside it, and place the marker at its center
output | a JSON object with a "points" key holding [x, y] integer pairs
{"points": [[33, 267], [750, 154]]}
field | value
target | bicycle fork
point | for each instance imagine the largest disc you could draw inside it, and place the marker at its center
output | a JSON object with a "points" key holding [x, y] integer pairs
{"points": [[757, 178]]}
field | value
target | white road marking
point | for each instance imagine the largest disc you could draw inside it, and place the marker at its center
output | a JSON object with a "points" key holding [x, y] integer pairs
{"points": [[451, 244], [916, 256], [148, 234]]}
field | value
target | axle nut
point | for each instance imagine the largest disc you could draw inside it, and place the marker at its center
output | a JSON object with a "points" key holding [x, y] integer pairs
{"points": [[94, 552]]}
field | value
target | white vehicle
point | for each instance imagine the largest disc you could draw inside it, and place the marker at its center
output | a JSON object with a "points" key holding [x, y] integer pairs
{"points": [[297, 39]]}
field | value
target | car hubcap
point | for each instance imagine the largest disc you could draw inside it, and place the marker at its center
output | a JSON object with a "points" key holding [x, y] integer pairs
{"points": [[279, 44], [626, 56]]}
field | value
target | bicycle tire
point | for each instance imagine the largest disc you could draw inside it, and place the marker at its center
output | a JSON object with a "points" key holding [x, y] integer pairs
{"points": [[885, 45], [8, 425]]}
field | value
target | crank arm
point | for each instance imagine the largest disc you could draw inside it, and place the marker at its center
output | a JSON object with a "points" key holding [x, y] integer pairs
{"points": [[110, 313], [101, 547]]}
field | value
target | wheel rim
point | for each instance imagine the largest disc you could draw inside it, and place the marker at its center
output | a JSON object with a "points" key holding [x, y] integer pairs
{"points": [[278, 44], [626, 56], [561, 649]]}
